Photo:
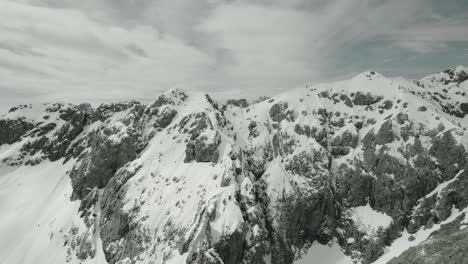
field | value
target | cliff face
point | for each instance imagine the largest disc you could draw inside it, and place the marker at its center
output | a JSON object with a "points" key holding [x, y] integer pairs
{"points": [[369, 166]]}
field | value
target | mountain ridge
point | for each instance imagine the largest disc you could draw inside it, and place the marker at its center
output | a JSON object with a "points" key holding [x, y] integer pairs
{"points": [[185, 179]]}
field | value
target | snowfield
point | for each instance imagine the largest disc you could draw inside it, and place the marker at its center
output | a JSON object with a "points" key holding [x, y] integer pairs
{"points": [[185, 179], [324, 254], [368, 220]]}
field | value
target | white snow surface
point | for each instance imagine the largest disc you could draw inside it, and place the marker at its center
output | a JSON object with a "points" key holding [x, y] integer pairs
{"points": [[324, 254], [37, 214], [369, 220]]}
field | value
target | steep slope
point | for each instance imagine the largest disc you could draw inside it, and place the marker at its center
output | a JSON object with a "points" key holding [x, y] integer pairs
{"points": [[342, 169], [365, 142], [448, 89], [127, 155]]}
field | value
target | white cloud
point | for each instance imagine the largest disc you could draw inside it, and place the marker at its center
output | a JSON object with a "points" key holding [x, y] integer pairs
{"points": [[288, 45], [437, 34], [113, 49], [263, 43], [66, 55]]}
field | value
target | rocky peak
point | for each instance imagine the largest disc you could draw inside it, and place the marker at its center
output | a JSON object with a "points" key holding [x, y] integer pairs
{"points": [[369, 75], [451, 76], [183, 180], [173, 96], [447, 89]]}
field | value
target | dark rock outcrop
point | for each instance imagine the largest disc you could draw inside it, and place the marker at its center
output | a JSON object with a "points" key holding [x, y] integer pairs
{"points": [[446, 245], [110, 147], [203, 149], [464, 107], [238, 102], [12, 130], [279, 112], [121, 235], [365, 99]]}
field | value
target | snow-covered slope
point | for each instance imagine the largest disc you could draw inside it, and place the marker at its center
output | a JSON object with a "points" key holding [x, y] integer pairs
{"points": [[335, 171]]}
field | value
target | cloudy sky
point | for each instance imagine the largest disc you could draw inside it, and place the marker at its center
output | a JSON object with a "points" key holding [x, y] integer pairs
{"points": [[94, 50]]}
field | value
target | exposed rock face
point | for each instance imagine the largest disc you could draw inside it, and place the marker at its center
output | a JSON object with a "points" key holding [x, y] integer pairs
{"points": [[104, 159], [446, 245], [238, 102], [121, 234], [110, 147], [342, 143], [183, 180], [12, 130], [279, 112], [464, 107], [365, 99], [204, 141], [104, 111], [203, 149], [347, 101], [49, 138]]}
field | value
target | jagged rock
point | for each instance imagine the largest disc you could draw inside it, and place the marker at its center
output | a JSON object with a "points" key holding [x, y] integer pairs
{"points": [[229, 248], [238, 102], [305, 130], [353, 186], [447, 245], [164, 118], [201, 123], [450, 155], [455, 75], [347, 101], [365, 99], [203, 149], [464, 107], [303, 219], [116, 223], [81, 244], [66, 134], [279, 112], [438, 207], [387, 105], [253, 132], [12, 130], [111, 147], [308, 164], [401, 118], [105, 111], [291, 183], [175, 96], [342, 142], [85, 108], [56, 146], [385, 134]]}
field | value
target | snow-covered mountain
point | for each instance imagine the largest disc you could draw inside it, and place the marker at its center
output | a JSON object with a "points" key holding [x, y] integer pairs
{"points": [[365, 170]]}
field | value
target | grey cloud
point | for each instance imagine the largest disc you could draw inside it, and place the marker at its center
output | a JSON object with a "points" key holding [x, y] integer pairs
{"points": [[136, 50], [20, 49], [14, 68], [118, 49], [88, 44]]}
